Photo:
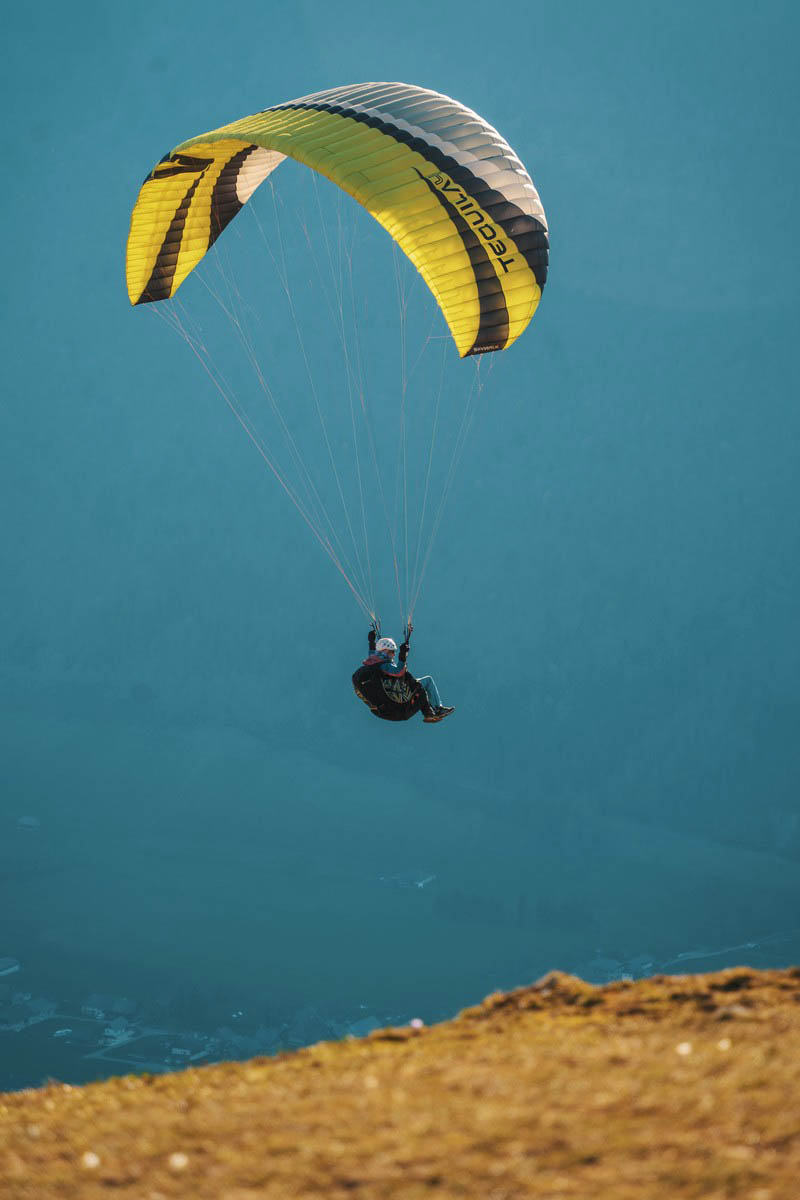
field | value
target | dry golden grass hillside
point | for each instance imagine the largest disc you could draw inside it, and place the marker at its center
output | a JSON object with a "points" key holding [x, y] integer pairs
{"points": [[669, 1087]]}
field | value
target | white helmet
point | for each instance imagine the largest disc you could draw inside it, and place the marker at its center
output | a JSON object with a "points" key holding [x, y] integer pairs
{"points": [[386, 646]]}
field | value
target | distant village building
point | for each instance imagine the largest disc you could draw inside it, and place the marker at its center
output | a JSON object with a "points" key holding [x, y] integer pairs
{"points": [[29, 824]]}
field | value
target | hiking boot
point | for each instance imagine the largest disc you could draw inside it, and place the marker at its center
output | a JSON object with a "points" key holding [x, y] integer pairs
{"points": [[438, 714]]}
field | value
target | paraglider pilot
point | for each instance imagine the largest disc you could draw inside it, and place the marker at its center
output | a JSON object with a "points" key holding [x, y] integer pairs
{"points": [[385, 684]]}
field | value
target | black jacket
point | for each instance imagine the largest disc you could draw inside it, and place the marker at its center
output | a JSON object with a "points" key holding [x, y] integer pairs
{"points": [[393, 698]]}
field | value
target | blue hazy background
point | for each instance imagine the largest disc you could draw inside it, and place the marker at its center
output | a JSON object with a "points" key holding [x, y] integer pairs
{"points": [[611, 604]]}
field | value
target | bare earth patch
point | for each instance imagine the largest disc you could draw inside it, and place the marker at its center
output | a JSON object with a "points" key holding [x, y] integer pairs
{"points": [[673, 1087]]}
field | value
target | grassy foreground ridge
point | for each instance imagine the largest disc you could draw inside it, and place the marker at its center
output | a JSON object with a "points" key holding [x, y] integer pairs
{"points": [[676, 1086]]}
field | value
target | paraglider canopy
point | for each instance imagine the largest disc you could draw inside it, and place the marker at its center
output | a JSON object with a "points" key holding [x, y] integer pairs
{"points": [[440, 179]]}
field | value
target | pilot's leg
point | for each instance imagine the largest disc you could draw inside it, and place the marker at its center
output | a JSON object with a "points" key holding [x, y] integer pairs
{"points": [[431, 691], [420, 694]]}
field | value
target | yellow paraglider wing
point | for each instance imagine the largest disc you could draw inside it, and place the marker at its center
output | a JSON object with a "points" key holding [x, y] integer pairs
{"points": [[440, 180]]}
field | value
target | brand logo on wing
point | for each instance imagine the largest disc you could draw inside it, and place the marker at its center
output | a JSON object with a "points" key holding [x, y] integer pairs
{"points": [[179, 164], [473, 214]]}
